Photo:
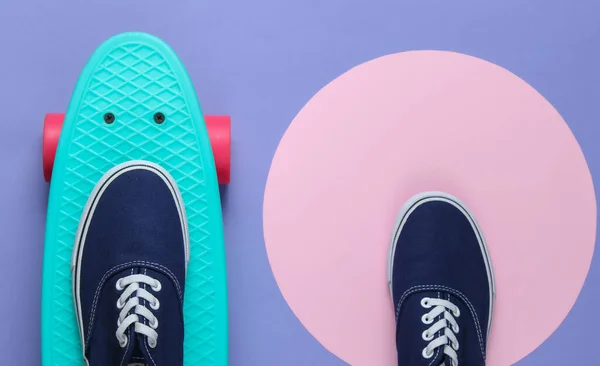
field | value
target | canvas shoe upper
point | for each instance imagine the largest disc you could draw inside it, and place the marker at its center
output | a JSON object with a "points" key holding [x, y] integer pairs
{"points": [[441, 281], [129, 265]]}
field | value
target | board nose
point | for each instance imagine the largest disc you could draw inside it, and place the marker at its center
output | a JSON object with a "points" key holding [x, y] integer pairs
{"points": [[134, 81]]}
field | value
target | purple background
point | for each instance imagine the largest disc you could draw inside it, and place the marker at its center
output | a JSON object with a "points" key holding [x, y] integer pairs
{"points": [[260, 61]]}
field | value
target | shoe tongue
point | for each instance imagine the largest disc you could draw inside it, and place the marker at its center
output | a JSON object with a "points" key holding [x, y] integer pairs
{"points": [[143, 349], [137, 356]]}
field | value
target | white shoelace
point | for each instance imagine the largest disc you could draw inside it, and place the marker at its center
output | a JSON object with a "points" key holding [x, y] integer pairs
{"points": [[447, 325], [130, 300]]}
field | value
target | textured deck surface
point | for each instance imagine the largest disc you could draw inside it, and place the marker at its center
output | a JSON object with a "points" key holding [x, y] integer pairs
{"points": [[134, 76]]}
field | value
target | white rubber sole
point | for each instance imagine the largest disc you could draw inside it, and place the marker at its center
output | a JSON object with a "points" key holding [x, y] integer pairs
{"points": [[421, 198]]}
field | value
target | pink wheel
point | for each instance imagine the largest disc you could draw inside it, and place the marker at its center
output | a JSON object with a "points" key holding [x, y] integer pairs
{"points": [[219, 131], [52, 125]]}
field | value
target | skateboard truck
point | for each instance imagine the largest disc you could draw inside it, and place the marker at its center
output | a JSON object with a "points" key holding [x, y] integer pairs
{"points": [[219, 131]]}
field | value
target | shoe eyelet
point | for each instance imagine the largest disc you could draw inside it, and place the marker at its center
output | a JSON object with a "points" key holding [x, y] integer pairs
{"points": [[427, 336], [154, 324], [455, 329], [426, 319], [123, 341], [426, 353], [457, 313], [152, 343], [425, 302], [118, 285], [119, 304], [155, 305], [455, 346], [157, 287]]}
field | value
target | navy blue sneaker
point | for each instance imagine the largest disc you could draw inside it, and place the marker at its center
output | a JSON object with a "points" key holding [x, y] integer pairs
{"points": [[442, 285], [129, 264]]}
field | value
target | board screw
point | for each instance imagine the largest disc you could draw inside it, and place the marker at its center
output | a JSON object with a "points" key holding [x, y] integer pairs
{"points": [[159, 118], [109, 118]]}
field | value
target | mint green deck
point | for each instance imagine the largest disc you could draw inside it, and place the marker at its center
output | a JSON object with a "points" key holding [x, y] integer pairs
{"points": [[134, 75]]}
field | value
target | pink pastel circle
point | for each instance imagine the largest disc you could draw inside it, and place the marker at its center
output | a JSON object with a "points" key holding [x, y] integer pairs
{"points": [[419, 121]]}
